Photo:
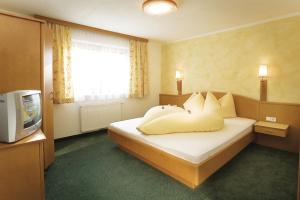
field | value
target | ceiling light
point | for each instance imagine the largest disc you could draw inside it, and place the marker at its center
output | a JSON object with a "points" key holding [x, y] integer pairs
{"points": [[159, 7]]}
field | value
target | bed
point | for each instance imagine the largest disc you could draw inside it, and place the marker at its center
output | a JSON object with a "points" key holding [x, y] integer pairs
{"points": [[189, 157]]}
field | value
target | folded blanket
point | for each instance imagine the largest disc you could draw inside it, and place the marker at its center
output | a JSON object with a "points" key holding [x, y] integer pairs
{"points": [[158, 111], [183, 121]]}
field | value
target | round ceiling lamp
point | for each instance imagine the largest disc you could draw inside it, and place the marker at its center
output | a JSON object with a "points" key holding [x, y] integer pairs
{"points": [[159, 7]]}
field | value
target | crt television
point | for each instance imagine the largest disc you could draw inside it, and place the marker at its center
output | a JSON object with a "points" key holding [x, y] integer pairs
{"points": [[20, 114]]}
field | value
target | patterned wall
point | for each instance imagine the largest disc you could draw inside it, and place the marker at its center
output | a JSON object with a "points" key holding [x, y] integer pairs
{"points": [[229, 61]]}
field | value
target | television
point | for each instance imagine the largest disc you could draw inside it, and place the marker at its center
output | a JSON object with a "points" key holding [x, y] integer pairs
{"points": [[20, 114]]}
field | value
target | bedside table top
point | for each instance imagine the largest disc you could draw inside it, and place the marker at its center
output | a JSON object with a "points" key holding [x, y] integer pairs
{"points": [[272, 125]]}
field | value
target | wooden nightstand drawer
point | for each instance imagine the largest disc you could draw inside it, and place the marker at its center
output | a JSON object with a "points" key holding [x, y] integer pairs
{"points": [[270, 128]]}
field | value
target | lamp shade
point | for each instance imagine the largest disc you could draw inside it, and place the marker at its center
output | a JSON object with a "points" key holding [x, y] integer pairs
{"points": [[263, 71], [178, 75]]}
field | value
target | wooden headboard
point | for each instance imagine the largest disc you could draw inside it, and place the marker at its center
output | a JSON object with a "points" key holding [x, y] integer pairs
{"points": [[250, 108], [245, 107]]}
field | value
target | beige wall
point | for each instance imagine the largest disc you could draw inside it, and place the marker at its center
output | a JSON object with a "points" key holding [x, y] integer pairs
{"points": [[229, 61], [66, 116]]}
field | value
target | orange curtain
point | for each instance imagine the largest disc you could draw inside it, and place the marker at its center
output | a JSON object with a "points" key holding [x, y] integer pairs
{"points": [[138, 69], [62, 73]]}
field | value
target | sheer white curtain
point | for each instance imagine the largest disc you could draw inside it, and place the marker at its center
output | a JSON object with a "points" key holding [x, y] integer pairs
{"points": [[100, 67]]}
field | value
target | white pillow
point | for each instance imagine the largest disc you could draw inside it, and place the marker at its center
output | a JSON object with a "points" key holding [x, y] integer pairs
{"points": [[227, 106], [183, 122], [158, 111], [194, 103], [211, 104]]}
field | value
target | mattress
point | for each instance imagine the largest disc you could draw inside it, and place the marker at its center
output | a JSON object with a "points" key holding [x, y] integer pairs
{"points": [[194, 147]]}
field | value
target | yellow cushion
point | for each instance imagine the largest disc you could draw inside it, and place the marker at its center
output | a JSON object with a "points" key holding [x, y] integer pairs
{"points": [[158, 111], [227, 106], [211, 104], [181, 122], [194, 103]]}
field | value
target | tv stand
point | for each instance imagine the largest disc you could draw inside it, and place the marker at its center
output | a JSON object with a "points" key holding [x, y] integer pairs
{"points": [[22, 168]]}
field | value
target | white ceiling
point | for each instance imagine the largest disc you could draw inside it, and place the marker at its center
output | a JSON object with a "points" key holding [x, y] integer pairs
{"points": [[194, 17]]}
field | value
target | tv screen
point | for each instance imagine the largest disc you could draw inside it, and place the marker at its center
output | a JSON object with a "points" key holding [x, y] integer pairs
{"points": [[32, 109]]}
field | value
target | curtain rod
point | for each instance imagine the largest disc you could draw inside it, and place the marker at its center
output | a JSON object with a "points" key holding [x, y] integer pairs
{"points": [[89, 28]]}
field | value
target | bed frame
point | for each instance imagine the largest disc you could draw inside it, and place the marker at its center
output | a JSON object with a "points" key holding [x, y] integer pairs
{"points": [[188, 173]]}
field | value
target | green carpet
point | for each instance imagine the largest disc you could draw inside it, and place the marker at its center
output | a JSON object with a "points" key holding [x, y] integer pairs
{"points": [[92, 167]]}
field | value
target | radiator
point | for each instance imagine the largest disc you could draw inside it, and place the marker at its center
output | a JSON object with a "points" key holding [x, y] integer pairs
{"points": [[95, 117]]}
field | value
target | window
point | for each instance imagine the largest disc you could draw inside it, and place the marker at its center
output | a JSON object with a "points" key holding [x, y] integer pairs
{"points": [[100, 66]]}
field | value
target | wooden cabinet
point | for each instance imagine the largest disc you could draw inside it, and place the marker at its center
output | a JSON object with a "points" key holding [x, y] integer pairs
{"points": [[22, 169], [47, 91], [26, 64], [20, 54]]}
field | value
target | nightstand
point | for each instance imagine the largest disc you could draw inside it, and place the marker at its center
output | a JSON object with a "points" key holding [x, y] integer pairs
{"points": [[271, 128]]}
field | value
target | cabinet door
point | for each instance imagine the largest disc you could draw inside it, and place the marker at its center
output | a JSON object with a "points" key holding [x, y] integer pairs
{"points": [[21, 172], [47, 96], [19, 54]]}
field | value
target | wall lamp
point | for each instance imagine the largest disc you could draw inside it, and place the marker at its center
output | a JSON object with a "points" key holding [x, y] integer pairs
{"points": [[263, 73], [179, 78]]}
